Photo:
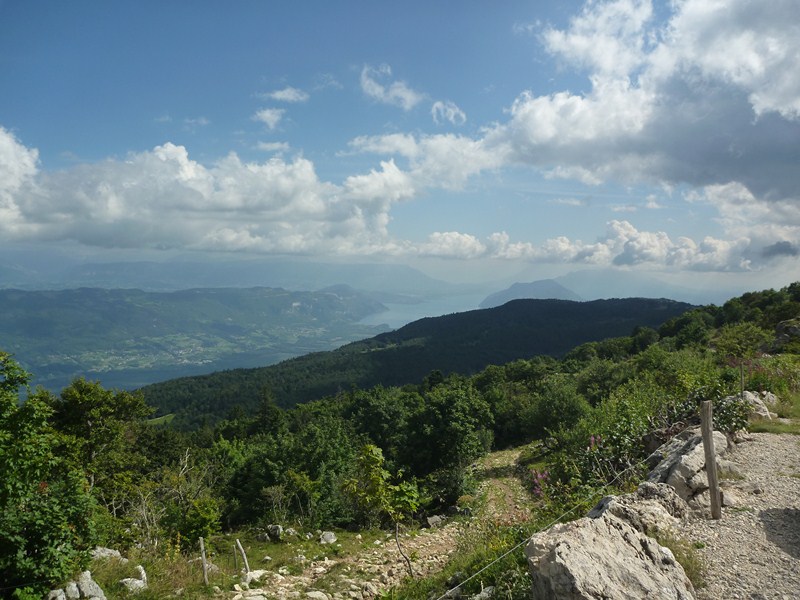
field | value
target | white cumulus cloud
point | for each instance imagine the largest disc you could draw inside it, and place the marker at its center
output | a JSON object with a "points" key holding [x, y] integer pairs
{"points": [[269, 116], [395, 93], [288, 94], [447, 111]]}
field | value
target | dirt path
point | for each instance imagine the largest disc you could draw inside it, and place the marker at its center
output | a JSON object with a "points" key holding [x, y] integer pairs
{"points": [[380, 566], [753, 552]]}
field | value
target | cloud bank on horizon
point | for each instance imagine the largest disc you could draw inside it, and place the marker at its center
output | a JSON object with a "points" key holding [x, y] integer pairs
{"points": [[697, 100]]}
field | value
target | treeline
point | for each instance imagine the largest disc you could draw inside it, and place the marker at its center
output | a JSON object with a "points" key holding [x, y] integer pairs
{"points": [[87, 466], [462, 343]]}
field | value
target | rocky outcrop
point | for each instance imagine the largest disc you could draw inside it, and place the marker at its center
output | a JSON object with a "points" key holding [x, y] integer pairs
{"points": [[759, 403], [83, 587], [653, 507], [603, 558], [609, 554], [680, 463], [786, 332]]}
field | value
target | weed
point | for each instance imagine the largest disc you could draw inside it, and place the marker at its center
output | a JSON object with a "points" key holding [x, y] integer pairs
{"points": [[687, 556]]}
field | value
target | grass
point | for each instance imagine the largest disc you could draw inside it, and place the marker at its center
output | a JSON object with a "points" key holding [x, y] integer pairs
{"points": [[169, 570], [792, 427], [163, 420], [788, 408], [166, 574], [687, 555]]}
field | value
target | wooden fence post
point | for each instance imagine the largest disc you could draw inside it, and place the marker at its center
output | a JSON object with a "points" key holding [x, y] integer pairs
{"points": [[244, 556], [203, 558], [707, 428]]}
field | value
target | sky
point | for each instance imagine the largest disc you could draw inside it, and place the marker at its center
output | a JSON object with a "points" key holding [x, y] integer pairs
{"points": [[470, 139]]}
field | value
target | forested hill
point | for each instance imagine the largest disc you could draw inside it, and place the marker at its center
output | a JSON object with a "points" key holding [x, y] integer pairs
{"points": [[458, 343]]}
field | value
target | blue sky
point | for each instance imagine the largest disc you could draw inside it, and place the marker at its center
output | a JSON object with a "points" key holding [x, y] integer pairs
{"points": [[470, 139]]}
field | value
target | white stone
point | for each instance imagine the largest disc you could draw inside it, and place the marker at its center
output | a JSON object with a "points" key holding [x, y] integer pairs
{"points": [[88, 587], [605, 557]]}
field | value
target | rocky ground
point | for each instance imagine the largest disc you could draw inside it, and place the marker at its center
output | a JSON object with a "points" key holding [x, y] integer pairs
{"points": [[753, 552]]}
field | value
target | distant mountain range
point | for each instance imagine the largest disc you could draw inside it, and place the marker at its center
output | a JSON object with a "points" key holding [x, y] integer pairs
{"points": [[398, 280], [458, 343], [543, 289], [129, 338]]}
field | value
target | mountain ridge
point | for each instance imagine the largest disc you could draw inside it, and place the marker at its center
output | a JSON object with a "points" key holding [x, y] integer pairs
{"points": [[461, 343]]}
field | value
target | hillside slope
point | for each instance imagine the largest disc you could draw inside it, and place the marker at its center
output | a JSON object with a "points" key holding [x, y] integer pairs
{"points": [[459, 343]]}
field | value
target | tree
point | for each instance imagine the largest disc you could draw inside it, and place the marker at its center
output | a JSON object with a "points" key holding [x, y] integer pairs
{"points": [[101, 429], [451, 430], [741, 342], [45, 508], [103, 426], [378, 497]]}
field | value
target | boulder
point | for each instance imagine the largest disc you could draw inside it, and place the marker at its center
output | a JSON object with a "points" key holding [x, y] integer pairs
{"points": [[327, 537], [136, 584], [108, 553], [317, 595], [56, 595], [652, 507], [680, 462], [254, 576], [589, 559], [89, 588], [435, 521], [756, 402]]}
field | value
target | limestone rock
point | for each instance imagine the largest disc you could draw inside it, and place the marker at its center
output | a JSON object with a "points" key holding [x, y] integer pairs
{"points": [[680, 462], [317, 595], [327, 537], [71, 590], [89, 588], [136, 585], [758, 408], [606, 558], [254, 576], [652, 507], [435, 521], [108, 553], [56, 595], [484, 594]]}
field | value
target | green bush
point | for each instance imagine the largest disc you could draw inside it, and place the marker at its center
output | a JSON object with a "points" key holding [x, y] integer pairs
{"points": [[45, 508]]}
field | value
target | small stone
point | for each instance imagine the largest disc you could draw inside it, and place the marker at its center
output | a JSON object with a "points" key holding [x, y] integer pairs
{"points": [[327, 537]]}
